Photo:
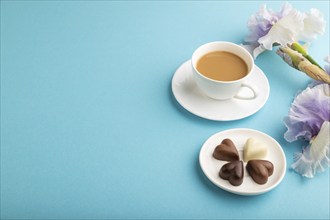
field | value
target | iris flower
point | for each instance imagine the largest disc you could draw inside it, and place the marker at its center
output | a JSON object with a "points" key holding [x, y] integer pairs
{"points": [[309, 119], [269, 28], [309, 116]]}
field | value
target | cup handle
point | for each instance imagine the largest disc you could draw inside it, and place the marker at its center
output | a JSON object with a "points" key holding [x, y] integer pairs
{"points": [[253, 90]]}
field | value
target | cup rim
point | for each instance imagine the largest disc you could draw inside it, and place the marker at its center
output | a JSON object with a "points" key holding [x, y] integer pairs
{"points": [[223, 42]]}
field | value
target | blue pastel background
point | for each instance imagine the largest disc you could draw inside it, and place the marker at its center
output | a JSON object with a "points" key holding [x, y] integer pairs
{"points": [[90, 127]]}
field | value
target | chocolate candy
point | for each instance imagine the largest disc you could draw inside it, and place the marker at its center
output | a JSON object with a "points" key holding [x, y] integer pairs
{"points": [[254, 150], [260, 170], [226, 151], [233, 172]]}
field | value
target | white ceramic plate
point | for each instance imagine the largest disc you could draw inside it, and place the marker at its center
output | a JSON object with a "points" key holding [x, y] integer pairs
{"points": [[211, 166], [192, 99]]}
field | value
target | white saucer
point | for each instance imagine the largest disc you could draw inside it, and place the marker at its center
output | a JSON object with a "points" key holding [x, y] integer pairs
{"points": [[212, 166], [192, 99]]}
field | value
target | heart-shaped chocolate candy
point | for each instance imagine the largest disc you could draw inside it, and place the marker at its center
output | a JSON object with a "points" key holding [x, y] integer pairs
{"points": [[254, 150], [226, 151], [260, 170], [233, 172]]}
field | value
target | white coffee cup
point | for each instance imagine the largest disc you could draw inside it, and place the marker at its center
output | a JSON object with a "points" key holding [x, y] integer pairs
{"points": [[223, 90]]}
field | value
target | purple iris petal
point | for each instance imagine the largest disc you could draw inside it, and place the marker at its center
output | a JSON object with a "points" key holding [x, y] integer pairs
{"points": [[308, 112], [260, 23]]}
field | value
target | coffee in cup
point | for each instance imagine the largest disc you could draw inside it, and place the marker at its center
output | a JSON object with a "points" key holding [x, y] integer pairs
{"points": [[222, 66], [220, 69]]}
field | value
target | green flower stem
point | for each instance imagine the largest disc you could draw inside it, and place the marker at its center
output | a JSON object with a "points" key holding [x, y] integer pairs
{"points": [[297, 47], [300, 62]]}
